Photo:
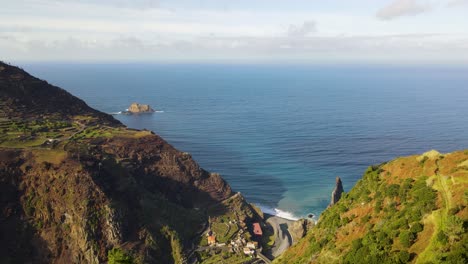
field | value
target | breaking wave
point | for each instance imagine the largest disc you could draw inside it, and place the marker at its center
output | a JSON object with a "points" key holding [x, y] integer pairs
{"points": [[278, 212]]}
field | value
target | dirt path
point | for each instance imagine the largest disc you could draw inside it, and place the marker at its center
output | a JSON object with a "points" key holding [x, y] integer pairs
{"points": [[442, 180], [438, 217]]}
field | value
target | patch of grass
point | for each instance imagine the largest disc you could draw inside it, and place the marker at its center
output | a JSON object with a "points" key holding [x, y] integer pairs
{"points": [[221, 257], [15, 142], [54, 156]]}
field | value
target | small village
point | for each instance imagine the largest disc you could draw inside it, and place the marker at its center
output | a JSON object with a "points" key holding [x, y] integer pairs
{"points": [[236, 240], [239, 244], [242, 243]]}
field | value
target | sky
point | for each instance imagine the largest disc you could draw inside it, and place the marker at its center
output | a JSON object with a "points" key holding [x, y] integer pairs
{"points": [[307, 31]]}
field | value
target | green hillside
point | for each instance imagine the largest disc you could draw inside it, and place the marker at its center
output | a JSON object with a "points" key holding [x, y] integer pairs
{"points": [[409, 210]]}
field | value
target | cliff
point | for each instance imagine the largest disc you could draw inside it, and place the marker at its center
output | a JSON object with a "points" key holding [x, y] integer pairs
{"points": [[76, 186], [409, 210]]}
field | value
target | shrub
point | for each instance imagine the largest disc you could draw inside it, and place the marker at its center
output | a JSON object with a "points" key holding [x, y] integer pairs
{"points": [[454, 226], [406, 238], [404, 256], [378, 206], [416, 227], [442, 238], [345, 221], [392, 190], [365, 219], [118, 256]]}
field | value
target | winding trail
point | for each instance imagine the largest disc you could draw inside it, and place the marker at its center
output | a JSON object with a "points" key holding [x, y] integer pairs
{"points": [[438, 217]]}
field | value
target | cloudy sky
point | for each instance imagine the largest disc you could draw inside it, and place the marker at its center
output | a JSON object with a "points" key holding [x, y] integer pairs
{"points": [[310, 31]]}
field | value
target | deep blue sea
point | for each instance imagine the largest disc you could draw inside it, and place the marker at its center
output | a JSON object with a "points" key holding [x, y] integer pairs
{"points": [[280, 134]]}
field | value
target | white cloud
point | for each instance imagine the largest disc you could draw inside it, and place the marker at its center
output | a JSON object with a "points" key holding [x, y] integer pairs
{"points": [[454, 3], [399, 8], [83, 30], [412, 47], [302, 30], [136, 4]]}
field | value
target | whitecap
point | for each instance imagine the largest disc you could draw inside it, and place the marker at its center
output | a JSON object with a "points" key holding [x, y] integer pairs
{"points": [[278, 212]]}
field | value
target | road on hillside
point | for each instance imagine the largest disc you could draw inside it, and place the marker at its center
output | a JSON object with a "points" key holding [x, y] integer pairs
{"points": [[283, 239]]}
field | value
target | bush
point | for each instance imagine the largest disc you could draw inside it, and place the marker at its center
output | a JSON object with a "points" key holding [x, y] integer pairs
{"points": [[406, 238], [442, 238], [378, 206], [118, 256], [365, 219], [416, 227], [404, 256], [454, 226], [392, 190]]}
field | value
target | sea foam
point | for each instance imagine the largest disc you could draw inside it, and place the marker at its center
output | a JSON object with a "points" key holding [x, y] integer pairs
{"points": [[278, 212]]}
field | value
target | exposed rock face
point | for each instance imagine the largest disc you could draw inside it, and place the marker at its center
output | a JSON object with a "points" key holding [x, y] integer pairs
{"points": [[336, 194], [136, 108], [299, 229]]}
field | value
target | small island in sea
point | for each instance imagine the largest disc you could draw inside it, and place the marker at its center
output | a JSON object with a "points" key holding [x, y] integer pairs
{"points": [[136, 108]]}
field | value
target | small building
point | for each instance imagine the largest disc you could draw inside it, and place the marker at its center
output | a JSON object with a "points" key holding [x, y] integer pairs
{"points": [[211, 240], [252, 245], [257, 230], [248, 251]]}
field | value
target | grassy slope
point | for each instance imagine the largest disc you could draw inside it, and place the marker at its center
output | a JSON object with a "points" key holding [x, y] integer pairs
{"points": [[412, 209]]}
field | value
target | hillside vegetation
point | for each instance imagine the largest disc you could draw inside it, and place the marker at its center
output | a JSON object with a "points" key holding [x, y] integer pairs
{"points": [[412, 209]]}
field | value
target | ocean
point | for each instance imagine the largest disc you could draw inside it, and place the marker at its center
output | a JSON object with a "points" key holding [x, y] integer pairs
{"points": [[280, 134]]}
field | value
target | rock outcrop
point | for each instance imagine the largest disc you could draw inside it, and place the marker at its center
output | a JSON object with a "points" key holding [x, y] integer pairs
{"points": [[336, 194], [298, 229], [137, 108]]}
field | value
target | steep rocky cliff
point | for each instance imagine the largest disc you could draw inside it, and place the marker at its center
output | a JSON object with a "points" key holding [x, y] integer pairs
{"points": [[76, 186], [409, 210]]}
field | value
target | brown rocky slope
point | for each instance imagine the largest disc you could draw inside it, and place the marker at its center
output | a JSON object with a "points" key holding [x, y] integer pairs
{"points": [[76, 186]]}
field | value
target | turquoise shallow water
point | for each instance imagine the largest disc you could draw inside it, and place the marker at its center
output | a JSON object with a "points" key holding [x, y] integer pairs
{"points": [[281, 134]]}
